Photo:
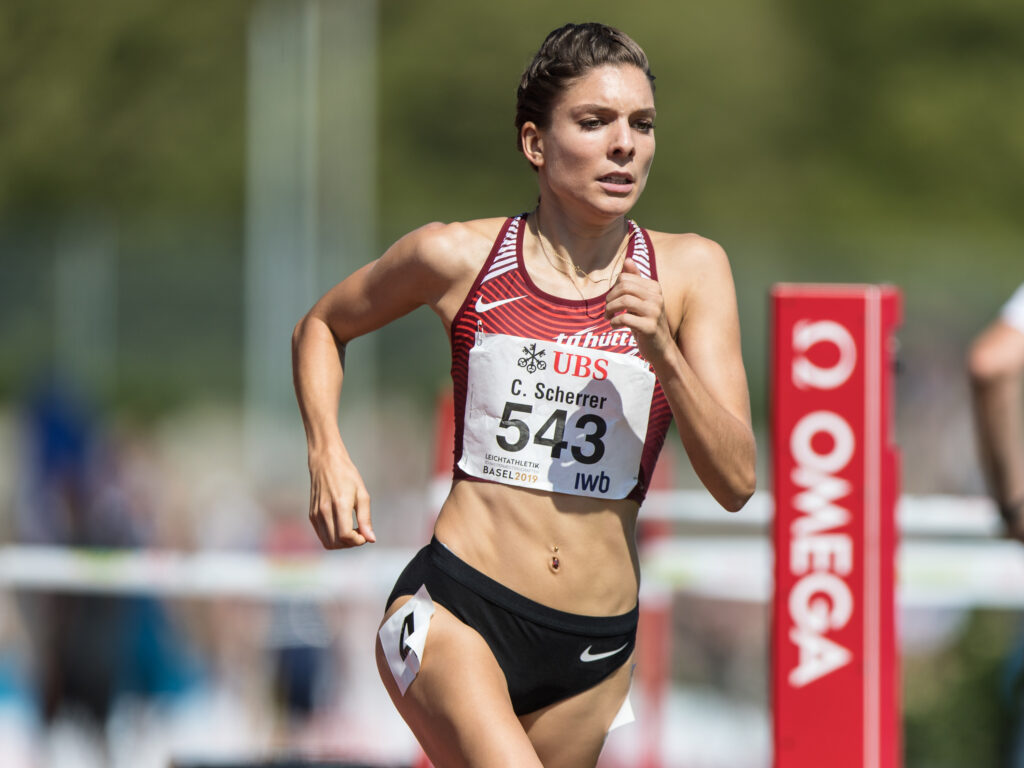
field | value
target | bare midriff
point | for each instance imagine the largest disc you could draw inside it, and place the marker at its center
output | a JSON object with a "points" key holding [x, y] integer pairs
{"points": [[572, 553]]}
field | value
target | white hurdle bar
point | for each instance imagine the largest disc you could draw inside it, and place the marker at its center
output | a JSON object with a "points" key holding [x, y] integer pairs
{"points": [[950, 556]]}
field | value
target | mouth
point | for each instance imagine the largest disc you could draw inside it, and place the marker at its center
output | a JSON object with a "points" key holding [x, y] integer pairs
{"points": [[617, 178]]}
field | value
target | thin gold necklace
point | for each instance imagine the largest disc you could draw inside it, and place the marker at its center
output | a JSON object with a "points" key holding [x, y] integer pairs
{"points": [[577, 269]]}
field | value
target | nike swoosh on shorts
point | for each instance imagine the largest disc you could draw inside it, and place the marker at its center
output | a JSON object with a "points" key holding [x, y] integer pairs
{"points": [[484, 306], [587, 656]]}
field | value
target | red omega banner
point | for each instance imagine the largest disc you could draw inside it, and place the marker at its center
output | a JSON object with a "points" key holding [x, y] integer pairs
{"points": [[835, 660]]}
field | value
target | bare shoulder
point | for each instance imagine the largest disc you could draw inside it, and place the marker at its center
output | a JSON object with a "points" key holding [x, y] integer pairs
{"points": [[442, 260], [692, 266], [687, 252], [454, 248]]}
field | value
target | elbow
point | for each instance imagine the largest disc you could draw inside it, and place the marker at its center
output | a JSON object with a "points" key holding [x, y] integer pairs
{"points": [[742, 483], [310, 327], [297, 332], [739, 493]]}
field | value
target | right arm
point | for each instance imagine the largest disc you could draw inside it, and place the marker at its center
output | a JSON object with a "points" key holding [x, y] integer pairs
{"points": [[423, 268], [996, 366]]}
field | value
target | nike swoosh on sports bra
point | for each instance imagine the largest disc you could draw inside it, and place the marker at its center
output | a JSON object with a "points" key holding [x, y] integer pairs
{"points": [[547, 394]]}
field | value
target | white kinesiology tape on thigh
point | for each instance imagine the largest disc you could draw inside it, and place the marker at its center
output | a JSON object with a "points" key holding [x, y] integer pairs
{"points": [[404, 635]]}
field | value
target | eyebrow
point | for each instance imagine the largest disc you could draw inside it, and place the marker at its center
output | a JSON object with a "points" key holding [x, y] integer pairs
{"points": [[643, 112]]}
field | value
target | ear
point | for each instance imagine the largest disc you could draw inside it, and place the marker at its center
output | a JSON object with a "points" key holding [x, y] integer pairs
{"points": [[533, 143]]}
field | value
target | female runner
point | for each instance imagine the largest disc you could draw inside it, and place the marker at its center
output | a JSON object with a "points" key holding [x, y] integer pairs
{"points": [[576, 338]]}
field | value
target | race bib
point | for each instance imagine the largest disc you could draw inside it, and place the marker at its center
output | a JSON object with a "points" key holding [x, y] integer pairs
{"points": [[555, 417]]}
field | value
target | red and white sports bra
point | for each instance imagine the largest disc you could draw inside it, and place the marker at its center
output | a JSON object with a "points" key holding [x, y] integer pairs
{"points": [[547, 394]]}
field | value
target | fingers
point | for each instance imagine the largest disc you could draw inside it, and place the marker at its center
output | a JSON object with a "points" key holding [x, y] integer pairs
{"points": [[630, 267], [635, 302], [627, 310], [633, 295], [364, 526], [330, 528], [331, 515], [631, 280]]}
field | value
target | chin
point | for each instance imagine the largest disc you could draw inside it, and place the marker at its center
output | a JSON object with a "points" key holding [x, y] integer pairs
{"points": [[604, 205], [617, 206]]}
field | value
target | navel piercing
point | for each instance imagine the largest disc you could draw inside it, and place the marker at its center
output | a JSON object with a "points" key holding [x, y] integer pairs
{"points": [[555, 562]]}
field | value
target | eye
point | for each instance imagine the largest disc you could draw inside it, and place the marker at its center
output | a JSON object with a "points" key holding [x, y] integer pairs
{"points": [[644, 126], [590, 123]]}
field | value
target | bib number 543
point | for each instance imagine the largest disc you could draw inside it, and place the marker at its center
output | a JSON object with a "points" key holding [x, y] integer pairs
{"points": [[552, 433]]}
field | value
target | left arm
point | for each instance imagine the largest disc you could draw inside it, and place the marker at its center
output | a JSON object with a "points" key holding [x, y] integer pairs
{"points": [[698, 362]]}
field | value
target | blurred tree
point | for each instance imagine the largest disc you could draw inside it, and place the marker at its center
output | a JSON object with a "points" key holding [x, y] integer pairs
{"points": [[127, 106], [914, 109], [962, 702], [818, 143], [132, 113]]}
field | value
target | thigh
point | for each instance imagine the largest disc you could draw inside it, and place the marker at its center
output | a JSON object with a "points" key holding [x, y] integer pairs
{"points": [[458, 705], [570, 733]]}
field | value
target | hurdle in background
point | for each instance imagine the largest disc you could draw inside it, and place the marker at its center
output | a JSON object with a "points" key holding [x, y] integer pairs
{"points": [[835, 659]]}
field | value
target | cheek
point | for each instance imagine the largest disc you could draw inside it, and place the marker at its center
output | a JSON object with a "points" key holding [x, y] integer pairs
{"points": [[566, 166], [571, 159], [649, 147], [642, 180], [648, 158], [577, 148]]}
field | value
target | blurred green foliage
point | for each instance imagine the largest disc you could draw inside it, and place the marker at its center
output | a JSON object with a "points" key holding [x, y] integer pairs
{"points": [[963, 702], [132, 113], [136, 108], [861, 142]]}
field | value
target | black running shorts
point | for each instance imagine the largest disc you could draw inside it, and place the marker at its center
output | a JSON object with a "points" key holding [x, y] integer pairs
{"points": [[547, 655]]}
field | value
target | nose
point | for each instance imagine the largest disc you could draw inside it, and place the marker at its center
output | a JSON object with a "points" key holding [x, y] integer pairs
{"points": [[622, 140]]}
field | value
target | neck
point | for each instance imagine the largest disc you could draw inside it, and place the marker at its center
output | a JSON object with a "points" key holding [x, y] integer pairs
{"points": [[585, 248]]}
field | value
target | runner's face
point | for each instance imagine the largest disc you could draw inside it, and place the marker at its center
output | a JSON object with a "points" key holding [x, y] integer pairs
{"points": [[600, 143]]}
